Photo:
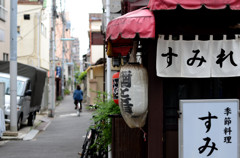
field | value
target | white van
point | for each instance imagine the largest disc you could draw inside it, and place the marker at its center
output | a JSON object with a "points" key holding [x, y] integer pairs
{"points": [[23, 99]]}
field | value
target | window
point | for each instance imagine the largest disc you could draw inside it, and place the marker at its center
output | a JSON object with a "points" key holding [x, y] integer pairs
{"points": [[28, 85], [69, 70], [97, 38], [26, 16], [5, 57], [2, 10], [20, 86], [18, 30], [43, 30], [2, 3]]}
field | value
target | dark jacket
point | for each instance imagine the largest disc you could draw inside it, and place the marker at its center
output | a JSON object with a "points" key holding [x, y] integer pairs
{"points": [[78, 95]]}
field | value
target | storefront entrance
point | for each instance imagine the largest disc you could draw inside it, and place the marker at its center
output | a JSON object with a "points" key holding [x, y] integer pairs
{"points": [[175, 89]]}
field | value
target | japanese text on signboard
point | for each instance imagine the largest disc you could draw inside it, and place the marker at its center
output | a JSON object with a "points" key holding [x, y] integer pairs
{"points": [[208, 128], [198, 58]]}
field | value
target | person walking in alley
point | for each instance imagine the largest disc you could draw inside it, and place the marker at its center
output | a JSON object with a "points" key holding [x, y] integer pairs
{"points": [[78, 97]]}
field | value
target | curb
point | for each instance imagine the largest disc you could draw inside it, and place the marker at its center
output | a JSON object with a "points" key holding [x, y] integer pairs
{"points": [[19, 135], [41, 123], [31, 134], [28, 132]]}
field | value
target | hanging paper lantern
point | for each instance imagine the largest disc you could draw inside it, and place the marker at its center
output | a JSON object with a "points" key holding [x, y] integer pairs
{"points": [[115, 80], [133, 94]]}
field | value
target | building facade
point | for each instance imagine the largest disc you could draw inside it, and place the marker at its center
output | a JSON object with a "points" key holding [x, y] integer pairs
{"points": [[95, 73], [95, 37], [33, 34], [33, 27], [4, 30], [63, 52], [171, 23]]}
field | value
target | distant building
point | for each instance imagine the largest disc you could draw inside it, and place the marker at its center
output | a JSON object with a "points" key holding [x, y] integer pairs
{"points": [[85, 61], [95, 37], [75, 52], [68, 63], [94, 68]]}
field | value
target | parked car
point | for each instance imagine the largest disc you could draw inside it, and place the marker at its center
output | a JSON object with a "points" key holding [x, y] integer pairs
{"points": [[30, 85], [23, 99]]}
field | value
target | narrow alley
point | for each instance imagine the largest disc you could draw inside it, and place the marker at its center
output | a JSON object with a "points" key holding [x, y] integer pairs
{"points": [[63, 138]]}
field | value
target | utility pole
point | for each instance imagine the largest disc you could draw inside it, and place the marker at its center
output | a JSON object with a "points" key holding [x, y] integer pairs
{"points": [[108, 66], [13, 66], [108, 59], [51, 108], [63, 49]]}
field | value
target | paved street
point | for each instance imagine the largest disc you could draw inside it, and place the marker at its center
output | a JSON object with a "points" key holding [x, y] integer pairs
{"points": [[63, 138]]}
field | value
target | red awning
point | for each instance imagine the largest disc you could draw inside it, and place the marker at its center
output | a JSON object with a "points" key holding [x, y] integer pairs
{"points": [[193, 4], [141, 22]]}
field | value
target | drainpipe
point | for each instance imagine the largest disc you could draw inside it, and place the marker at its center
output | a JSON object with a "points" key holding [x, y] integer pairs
{"points": [[104, 65], [38, 39], [108, 66], [108, 59], [90, 37], [63, 51]]}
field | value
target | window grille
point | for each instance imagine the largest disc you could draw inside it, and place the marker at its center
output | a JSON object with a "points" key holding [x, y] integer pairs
{"points": [[5, 57], [3, 11]]}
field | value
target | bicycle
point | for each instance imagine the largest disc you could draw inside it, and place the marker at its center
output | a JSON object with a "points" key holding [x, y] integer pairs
{"points": [[90, 147], [87, 149], [78, 109]]}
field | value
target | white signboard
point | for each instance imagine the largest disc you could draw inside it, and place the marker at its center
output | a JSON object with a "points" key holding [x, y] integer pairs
{"points": [[198, 59], [209, 128]]}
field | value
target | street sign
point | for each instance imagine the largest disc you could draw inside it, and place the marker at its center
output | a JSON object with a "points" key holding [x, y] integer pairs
{"points": [[67, 39], [58, 71], [209, 128], [71, 63]]}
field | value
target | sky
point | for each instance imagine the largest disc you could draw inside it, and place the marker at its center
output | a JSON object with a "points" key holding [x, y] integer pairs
{"points": [[79, 16]]}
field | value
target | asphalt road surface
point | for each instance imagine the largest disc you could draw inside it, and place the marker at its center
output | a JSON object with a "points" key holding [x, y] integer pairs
{"points": [[63, 138]]}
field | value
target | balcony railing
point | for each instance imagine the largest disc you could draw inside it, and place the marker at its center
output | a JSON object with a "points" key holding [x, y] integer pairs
{"points": [[3, 13]]}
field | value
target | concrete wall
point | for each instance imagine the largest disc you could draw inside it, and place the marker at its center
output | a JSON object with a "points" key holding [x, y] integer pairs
{"points": [[27, 38], [88, 89], [84, 89], [44, 40], [93, 88], [97, 52], [94, 83], [96, 26], [98, 75]]}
